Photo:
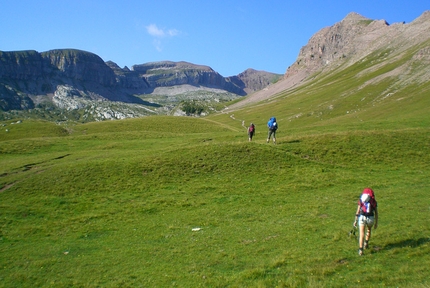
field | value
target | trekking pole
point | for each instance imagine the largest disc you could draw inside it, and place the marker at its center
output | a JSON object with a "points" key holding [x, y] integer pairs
{"points": [[352, 232]]}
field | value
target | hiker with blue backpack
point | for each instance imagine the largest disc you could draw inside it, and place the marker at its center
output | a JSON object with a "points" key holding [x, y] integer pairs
{"points": [[366, 217], [273, 126]]}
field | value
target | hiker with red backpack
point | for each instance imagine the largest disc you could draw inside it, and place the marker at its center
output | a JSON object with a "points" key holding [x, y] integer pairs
{"points": [[366, 217], [251, 131]]}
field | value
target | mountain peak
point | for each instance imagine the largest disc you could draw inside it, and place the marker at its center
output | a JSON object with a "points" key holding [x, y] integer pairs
{"points": [[181, 65], [354, 17], [423, 17]]}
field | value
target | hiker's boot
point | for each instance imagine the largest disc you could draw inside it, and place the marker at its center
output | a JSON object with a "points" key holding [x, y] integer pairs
{"points": [[366, 244], [360, 251]]}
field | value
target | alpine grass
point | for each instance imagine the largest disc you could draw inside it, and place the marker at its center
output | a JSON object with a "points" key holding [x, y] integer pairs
{"points": [[172, 201]]}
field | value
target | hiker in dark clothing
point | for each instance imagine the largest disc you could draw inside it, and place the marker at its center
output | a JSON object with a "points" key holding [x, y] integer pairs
{"points": [[251, 131]]}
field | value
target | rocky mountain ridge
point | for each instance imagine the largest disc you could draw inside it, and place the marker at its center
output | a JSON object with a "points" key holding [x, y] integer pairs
{"points": [[65, 77], [350, 41]]}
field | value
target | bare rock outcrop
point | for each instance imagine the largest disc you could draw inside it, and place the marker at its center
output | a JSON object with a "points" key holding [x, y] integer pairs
{"points": [[252, 80], [81, 66], [169, 73], [348, 42], [355, 37]]}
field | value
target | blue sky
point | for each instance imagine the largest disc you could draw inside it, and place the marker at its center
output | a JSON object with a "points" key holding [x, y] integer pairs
{"points": [[229, 36]]}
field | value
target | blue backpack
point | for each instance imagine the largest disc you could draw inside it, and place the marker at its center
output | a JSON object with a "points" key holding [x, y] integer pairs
{"points": [[272, 124]]}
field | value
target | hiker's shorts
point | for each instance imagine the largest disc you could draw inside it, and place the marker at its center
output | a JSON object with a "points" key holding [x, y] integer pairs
{"points": [[366, 220]]}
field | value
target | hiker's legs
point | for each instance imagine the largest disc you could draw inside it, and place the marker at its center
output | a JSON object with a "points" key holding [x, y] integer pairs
{"points": [[365, 222], [249, 136], [274, 137], [367, 238], [362, 224], [268, 136], [361, 236], [369, 225], [368, 233]]}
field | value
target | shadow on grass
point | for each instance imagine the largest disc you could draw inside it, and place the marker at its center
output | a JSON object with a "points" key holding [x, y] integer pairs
{"points": [[292, 141], [407, 243]]}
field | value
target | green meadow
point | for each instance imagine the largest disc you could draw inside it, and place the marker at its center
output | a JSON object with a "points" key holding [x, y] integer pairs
{"points": [[114, 204], [167, 201]]}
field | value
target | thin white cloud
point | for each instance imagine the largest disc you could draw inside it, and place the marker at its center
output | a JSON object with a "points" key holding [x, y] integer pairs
{"points": [[159, 34], [173, 32], [153, 30]]}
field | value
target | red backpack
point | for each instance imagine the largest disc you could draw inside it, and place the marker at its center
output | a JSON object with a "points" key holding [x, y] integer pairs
{"points": [[251, 128], [367, 202]]}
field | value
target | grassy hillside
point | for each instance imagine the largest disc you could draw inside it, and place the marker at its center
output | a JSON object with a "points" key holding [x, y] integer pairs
{"points": [[114, 204], [357, 97]]}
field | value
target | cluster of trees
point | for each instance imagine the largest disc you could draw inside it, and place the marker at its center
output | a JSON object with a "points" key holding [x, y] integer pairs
{"points": [[192, 107]]}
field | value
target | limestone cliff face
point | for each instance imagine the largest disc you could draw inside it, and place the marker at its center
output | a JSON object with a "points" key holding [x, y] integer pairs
{"points": [[168, 73], [21, 65], [127, 79], [353, 38], [252, 80], [55, 64], [332, 44], [80, 65], [17, 69], [28, 76]]}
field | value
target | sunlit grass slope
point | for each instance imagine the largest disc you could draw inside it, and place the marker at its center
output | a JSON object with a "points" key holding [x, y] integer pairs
{"points": [[358, 97], [114, 204]]}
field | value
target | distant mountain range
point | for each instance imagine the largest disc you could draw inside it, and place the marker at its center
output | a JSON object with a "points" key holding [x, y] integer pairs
{"points": [[71, 79]]}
